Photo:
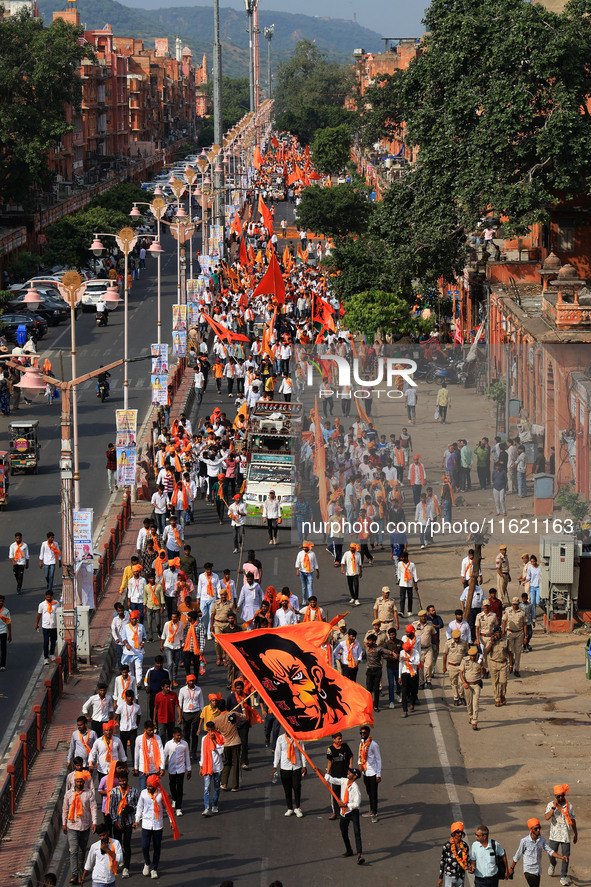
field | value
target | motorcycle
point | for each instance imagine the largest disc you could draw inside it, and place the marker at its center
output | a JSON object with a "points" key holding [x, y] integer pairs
{"points": [[102, 318], [102, 391]]}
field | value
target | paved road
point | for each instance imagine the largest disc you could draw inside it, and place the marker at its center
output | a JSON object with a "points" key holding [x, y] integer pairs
{"points": [[251, 841], [34, 501]]}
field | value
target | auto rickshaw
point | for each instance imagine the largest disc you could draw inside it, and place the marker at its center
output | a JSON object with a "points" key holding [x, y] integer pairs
{"points": [[24, 446], [3, 479]]}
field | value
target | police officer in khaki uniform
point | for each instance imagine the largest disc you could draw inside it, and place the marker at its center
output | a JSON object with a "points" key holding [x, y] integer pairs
{"points": [[385, 610], [453, 653], [427, 634], [503, 573], [486, 622], [515, 629], [471, 675], [499, 658], [219, 619], [381, 636]]}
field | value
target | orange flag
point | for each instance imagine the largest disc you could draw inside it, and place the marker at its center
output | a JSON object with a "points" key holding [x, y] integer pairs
{"points": [[286, 256], [259, 258], [257, 157], [236, 225], [272, 282], [243, 253], [251, 258], [289, 670], [266, 214]]}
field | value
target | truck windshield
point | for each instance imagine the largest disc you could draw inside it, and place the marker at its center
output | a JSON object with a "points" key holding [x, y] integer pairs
{"points": [[272, 474]]}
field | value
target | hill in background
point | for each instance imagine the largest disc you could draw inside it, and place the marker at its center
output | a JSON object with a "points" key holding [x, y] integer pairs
{"points": [[194, 25]]}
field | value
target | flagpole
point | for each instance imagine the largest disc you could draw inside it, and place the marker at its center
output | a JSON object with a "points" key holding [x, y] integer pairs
{"points": [[315, 769]]}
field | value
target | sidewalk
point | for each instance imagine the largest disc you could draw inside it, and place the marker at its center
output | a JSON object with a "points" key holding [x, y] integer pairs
{"points": [[36, 826]]}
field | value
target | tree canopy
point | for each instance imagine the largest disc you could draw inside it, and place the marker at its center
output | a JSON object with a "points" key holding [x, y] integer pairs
{"points": [[331, 148], [310, 92], [388, 312], [37, 81], [497, 103], [336, 211], [69, 239]]}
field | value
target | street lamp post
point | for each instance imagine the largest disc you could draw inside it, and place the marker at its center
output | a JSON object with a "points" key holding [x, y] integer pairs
{"points": [[268, 32], [34, 382], [251, 5], [157, 208]]}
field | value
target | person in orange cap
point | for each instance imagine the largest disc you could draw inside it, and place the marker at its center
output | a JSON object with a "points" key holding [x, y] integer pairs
{"points": [[305, 566], [455, 859], [531, 848], [563, 826]]}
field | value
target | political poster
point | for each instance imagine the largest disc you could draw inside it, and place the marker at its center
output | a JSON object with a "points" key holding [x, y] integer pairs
{"points": [[179, 318], [82, 532], [126, 466], [159, 359], [159, 389], [126, 428]]}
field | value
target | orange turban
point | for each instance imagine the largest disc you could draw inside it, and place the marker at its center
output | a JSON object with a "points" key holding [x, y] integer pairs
{"points": [[457, 827], [531, 823], [561, 789]]}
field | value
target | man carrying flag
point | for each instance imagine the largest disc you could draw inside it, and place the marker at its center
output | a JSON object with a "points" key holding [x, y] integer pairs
{"points": [[351, 801]]}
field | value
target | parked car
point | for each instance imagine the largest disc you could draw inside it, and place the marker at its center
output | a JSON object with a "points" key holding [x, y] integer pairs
{"points": [[53, 310], [10, 323]]}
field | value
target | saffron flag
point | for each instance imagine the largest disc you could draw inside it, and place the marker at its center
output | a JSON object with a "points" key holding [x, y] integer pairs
{"points": [[243, 253], [272, 282], [251, 258], [274, 142], [288, 669], [257, 157], [266, 214], [236, 225]]}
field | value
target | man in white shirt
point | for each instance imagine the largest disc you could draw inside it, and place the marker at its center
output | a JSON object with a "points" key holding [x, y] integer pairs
{"points": [[410, 395], [352, 568], [150, 812], [134, 641], [348, 652], [350, 802], [106, 749], [46, 613], [408, 581], [305, 566], [284, 615], [160, 500], [288, 761], [170, 577], [190, 705], [99, 708], [50, 557], [103, 858], [81, 742], [369, 761], [148, 756], [123, 683], [251, 597], [118, 621], [460, 624], [172, 538], [171, 644], [237, 514], [211, 765], [271, 515], [178, 762], [208, 591], [129, 714], [19, 557]]}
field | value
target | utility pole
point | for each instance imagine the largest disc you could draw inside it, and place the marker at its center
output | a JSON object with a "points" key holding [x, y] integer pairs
{"points": [[251, 5], [268, 32]]}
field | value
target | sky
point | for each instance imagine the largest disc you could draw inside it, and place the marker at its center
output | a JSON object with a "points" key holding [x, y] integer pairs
{"points": [[390, 18]]}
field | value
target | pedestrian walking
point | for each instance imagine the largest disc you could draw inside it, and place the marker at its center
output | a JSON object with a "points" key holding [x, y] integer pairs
{"points": [[47, 615], [210, 768], [288, 761], [563, 829], [177, 760], [428, 638], [503, 573], [500, 659], [471, 677], [530, 850], [306, 566], [369, 762], [339, 758], [78, 818], [50, 557], [352, 568], [453, 654], [5, 632], [443, 403], [407, 582], [455, 859], [349, 653], [514, 627], [150, 813], [122, 809], [99, 708], [111, 456], [19, 557], [103, 859], [486, 854], [410, 662], [350, 802]]}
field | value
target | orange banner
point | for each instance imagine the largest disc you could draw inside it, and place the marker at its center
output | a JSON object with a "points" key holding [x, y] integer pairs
{"points": [[288, 669]]}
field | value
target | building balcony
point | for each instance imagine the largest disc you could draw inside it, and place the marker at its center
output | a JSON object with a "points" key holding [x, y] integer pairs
{"points": [[567, 313]]}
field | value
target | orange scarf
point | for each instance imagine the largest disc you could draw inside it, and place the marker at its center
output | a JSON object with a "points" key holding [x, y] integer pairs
{"points": [[109, 747], [363, 753], [306, 563], [5, 619], [50, 606], [354, 563], [407, 574], [135, 633], [350, 661], [220, 489], [399, 453], [122, 802], [147, 748], [176, 536], [84, 742], [564, 811], [18, 554], [210, 740], [424, 508], [312, 615], [417, 474], [155, 600], [75, 807], [346, 798], [407, 656], [210, 590], [112, 862], [56, 552], [159, 566], [291, 754], [191, 644], [182, 489], [171, 633], [469, 569]]}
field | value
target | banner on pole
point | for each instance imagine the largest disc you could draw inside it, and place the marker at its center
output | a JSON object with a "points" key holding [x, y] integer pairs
{"points": [[126, 466], [82, 532]]}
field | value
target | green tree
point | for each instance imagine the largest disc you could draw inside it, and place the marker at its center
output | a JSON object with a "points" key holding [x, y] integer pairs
{"points": [[37, 81], [121, 198], [497, 102], [69, 239], [24, 266], [331, 148], [311, 91], [572, 502], [336, 211], [374, 310]]}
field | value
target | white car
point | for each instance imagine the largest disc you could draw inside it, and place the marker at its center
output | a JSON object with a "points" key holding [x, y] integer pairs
{"points": [[95, 291]]}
